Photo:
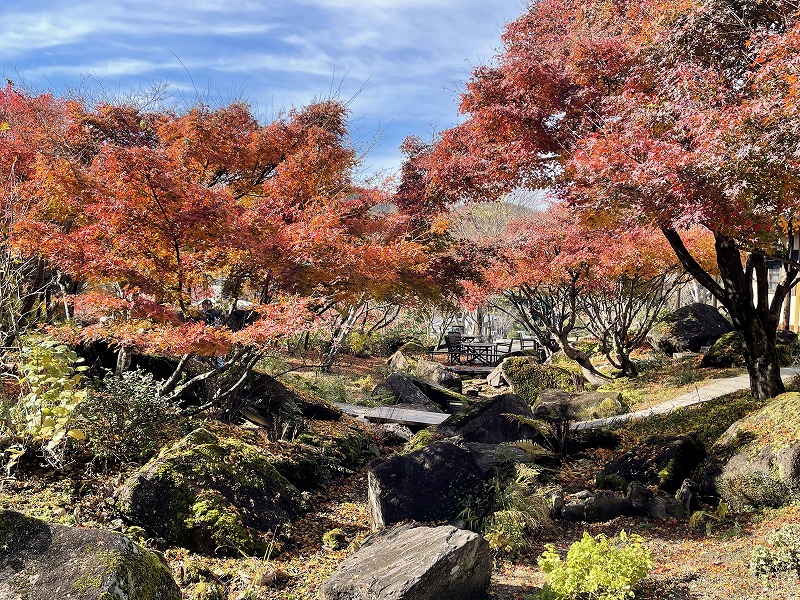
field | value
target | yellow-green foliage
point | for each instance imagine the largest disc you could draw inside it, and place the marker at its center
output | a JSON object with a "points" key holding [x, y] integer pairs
{"points": [[782, 554], [54, 381], [529, 377], [421, 439], [335, 539], [596, 568]]}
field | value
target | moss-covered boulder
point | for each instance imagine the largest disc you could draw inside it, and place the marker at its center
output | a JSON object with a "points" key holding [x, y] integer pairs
{"points": [[558, 404], [728, 351], [756, 462], [210, 494], [664, 461], [689, 328], [528, 378], [39, 561]]}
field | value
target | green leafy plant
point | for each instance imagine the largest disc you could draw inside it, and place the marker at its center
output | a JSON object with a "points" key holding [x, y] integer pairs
{"points": [[710, 517], [596, 567], [519, 509], [124, 417], [52, 384], [783, 553]]}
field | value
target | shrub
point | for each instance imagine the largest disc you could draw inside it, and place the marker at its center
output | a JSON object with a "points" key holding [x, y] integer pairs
{"points": [[52, 391], [124, 418], [783, 555], [529, 378], [522, 510], [596, 567]]}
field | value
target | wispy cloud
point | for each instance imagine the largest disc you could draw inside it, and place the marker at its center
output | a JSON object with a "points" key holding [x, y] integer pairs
{"points": [[407, 58]]}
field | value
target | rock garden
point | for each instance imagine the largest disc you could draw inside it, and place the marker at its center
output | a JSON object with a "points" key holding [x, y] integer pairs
{"points": [[502, 498]]}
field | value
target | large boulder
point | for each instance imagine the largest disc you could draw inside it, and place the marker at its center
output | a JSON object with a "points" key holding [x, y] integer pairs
{"points": [[39, 561], [558, 404], [728, 351], [210, 494], [488, 421], [410, 562], [402, 389], [263, 399], [664, 461], [434, 483], [690, 328], [528, 377], [425, 370], [756, 462]]}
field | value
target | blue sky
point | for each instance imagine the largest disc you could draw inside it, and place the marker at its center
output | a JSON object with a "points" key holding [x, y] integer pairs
{"points": [[401, 62]]}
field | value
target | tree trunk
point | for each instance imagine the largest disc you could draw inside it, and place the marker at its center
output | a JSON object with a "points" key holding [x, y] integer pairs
{"points": [[744, 292], [762, 361]]}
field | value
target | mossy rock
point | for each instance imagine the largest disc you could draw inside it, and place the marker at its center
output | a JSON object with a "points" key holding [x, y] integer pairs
{"points": [[528, 378], [689, 328], [421, 439], [39, 561], [210, 494], [728, 351], [756, 462], [664, 461]]}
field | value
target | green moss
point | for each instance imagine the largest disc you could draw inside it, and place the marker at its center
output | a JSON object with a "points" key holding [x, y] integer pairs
{"points": [[87, 582], [139, 574], [207, 591], [106, 596], [212, 513], [335, 539], [529, 378], [420, 440]]}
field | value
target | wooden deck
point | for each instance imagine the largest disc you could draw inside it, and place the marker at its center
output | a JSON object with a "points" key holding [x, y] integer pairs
{"points": [[473, 370]]}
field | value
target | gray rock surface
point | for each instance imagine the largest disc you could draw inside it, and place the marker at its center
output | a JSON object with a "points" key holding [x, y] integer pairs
{"points": [[414, 563], [486, 421], [756, 462], [592, 507], [690, 328], [39, 561], [404, 390], [430, 484], [584, 406]]}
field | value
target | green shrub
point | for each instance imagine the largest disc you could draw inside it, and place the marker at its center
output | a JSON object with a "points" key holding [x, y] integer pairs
{"points": [[782, 555], [124, 418], [529, 378], [596, 568], [332, 388], [52, 391]]}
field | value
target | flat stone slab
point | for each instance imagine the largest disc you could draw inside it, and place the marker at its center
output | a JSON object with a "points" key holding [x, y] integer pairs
{"points": [[390, 414], [410, 562]]}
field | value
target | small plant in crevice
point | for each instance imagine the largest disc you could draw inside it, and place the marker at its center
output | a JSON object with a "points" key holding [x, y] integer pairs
{"points": [[519, 509], [710, 517]]}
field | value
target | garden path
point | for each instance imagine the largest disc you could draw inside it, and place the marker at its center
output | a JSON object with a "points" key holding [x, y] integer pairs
{"points": [[713, 389]]}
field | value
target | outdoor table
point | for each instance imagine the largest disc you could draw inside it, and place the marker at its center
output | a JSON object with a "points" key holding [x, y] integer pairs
{"points": [[482, 352]]}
